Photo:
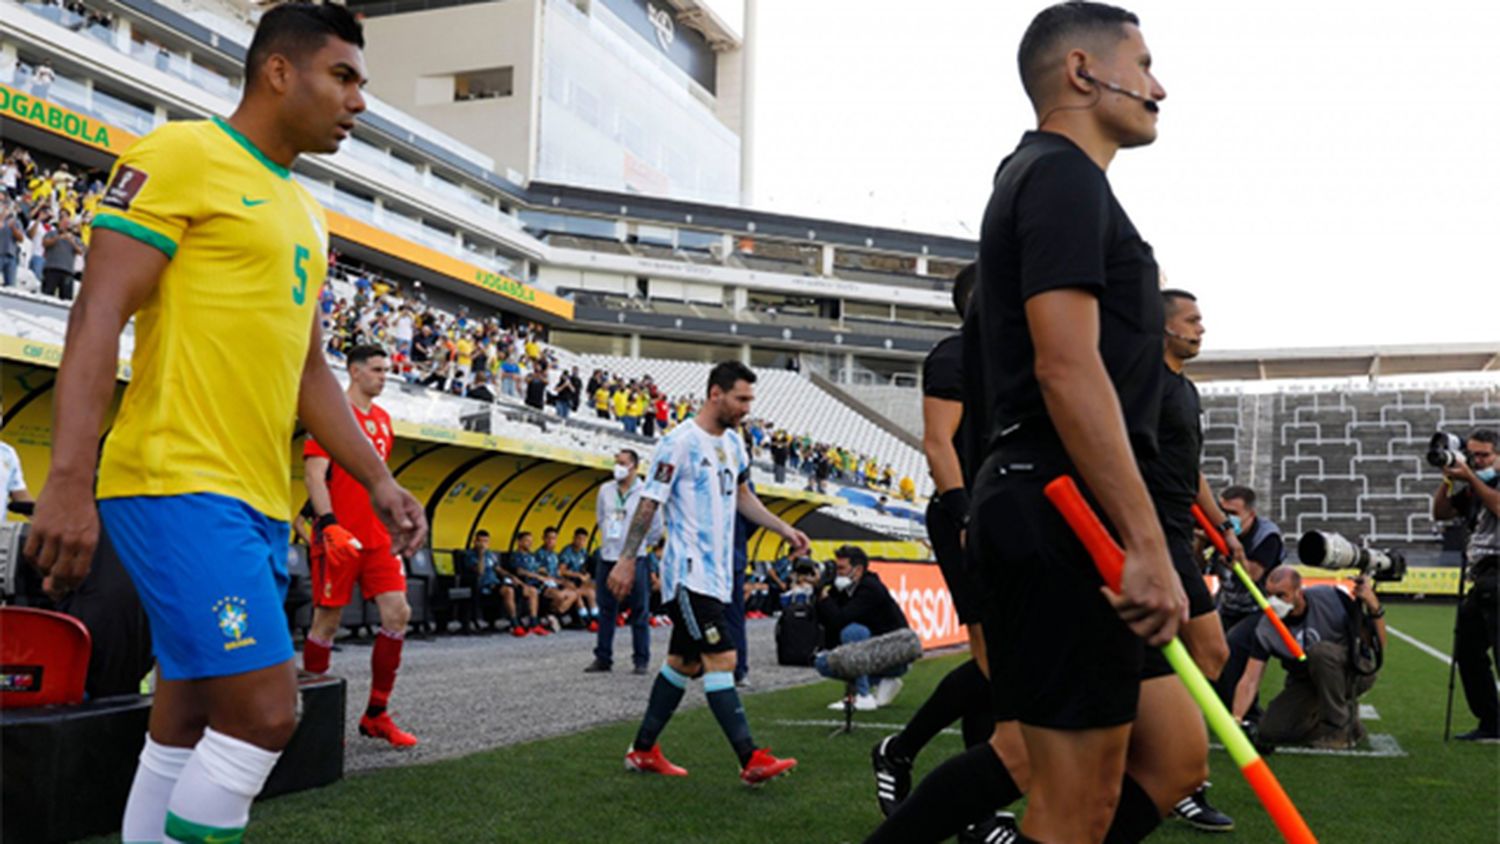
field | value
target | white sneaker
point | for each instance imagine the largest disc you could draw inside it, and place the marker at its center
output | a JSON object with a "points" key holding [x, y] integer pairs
{"points": [[862, 703], [886, 690]]}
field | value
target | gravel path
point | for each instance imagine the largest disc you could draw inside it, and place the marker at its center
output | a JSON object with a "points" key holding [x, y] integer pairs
{"points": [[464, 694]]}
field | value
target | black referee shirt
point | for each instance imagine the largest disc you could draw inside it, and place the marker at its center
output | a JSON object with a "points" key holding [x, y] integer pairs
{"points": [[1052, 222], [943, 378], [1172, 475]]}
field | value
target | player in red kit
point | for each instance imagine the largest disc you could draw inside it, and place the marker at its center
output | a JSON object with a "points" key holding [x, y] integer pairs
{"points": [[350, 544]]}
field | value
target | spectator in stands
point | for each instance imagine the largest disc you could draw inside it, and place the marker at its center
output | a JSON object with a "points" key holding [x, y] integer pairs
{"points": [[63, 249], [781, 452], [10, 177], [636, 410], [536, 389], [422, 343], [41, 223], [1319, 705], [11, 238], [1238, 612], [557, 599], [908, 488], [662, 412], [602, 400], [619, 400], [564, 396], [855, 607], [480, 389], [42, 79], [510, 375]]}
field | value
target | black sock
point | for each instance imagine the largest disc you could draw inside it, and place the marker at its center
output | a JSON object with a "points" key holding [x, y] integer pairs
{"points": [[1135, 817], [963, 790], [979, 716], [946, 704], [725, 703], [666, 693], [373, 711]]}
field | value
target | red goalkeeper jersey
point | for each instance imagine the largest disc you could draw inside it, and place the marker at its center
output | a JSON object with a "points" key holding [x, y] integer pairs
{"points": [[351, 501]]}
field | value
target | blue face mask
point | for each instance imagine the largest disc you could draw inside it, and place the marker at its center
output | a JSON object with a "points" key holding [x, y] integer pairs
{"points": [[1234, 522], [1486, 475]]}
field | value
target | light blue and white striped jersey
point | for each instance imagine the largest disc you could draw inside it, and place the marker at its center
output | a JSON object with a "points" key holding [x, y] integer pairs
{"points": [[696, 478]]}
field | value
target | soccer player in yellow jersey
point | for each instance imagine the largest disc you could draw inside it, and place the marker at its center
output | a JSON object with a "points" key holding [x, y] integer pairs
{"points": [[205, 238]]}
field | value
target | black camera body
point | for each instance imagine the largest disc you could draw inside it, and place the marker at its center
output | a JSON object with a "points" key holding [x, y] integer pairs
{"points": [[1445, 450]]}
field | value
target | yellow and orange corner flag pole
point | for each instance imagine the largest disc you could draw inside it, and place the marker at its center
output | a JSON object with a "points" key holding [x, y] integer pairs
{"points": [[1109, 559], [1239, 571]]}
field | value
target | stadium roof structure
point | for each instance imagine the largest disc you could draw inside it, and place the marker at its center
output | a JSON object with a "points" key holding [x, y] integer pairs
{"points": [[1345, 362]]}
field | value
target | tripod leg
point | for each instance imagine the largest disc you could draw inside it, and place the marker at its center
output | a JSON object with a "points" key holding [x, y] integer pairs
{"points": [[1453, 661]]}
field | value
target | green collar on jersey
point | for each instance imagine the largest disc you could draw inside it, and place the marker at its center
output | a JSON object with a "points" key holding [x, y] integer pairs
{"points": [[251, 148]]}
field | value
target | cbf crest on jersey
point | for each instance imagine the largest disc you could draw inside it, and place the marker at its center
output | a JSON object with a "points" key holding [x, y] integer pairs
{"points": [[234, 622]]}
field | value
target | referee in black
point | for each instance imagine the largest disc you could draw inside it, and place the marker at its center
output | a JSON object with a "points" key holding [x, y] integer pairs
{"points": [[1065, 335], [973, 777]]}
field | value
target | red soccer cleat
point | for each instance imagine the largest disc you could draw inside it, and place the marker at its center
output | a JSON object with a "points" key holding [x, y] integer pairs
{"points": [[594, 626], [518, 631], [763, 767], [652, 762], [382, 727], [539, 630]]}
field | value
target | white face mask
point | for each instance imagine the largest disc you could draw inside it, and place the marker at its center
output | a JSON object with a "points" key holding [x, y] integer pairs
{"points": [[1281, 607], [621, 471], [843, 583]]}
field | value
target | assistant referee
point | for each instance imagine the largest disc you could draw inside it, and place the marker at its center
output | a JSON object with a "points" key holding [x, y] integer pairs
{"points": [[1066, 330]]}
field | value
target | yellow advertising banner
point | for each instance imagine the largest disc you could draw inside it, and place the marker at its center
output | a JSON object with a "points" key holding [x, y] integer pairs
{"points": [[60, 120]]}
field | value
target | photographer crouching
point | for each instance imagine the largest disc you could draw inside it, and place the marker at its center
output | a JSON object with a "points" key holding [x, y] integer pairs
{"points": [[856, 607], [1343, 638], [1469, 491]]}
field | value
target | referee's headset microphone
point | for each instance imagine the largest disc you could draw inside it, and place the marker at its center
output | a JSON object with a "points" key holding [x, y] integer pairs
{"points": [[1129, 92]]}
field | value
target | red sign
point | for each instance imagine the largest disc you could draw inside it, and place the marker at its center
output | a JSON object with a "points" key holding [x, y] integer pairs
{"points": [[923, 595]]}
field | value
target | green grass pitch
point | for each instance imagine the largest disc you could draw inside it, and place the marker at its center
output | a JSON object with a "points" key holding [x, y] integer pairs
{"points": [[575, 789]]}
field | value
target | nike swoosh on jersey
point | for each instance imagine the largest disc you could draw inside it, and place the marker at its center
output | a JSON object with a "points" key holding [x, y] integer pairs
{"points": [[251, 203]]}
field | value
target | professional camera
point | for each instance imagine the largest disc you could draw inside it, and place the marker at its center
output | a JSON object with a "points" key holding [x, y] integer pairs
{"points": [[1333, 551], [1445, 450]]}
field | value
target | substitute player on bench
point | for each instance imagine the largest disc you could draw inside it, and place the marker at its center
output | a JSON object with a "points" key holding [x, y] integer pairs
{"points": [[351, 545], [206, 239], [700, 473]]}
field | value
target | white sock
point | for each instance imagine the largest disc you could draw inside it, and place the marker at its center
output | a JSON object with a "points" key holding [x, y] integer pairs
{"points": [[214, 793], [155, 776]]}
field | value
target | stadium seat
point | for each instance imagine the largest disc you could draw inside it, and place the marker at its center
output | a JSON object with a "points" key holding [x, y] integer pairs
{"points": [[419, 583], [45, 657]]}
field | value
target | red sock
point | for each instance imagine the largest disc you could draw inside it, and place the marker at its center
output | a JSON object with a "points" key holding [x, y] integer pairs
{"points": [[384, 661], [315, 655]]}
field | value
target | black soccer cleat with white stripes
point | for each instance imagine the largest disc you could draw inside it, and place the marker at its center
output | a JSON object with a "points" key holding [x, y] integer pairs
{"points": [[892, 776], [1000, 828], [1195, 809]]}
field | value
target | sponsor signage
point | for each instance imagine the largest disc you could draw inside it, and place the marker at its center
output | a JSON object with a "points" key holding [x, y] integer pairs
{"points": [[923, 595], [19, 105], [655, 22]]}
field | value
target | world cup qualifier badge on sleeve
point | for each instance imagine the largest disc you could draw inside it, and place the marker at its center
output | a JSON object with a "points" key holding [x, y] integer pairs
{"points": [[664, 473], [234, 622]]}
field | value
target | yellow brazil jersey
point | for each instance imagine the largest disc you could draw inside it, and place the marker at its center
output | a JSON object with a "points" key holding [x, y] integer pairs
{"points": [[601, 398], [221, 342], [621, 403]]}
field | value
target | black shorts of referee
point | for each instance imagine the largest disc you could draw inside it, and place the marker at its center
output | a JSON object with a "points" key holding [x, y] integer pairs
{"points": [[944, 531], [1179, 534], [1060, 657]]}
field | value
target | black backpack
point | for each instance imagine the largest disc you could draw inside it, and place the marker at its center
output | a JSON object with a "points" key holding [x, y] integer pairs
{"points": [[798, 634]]}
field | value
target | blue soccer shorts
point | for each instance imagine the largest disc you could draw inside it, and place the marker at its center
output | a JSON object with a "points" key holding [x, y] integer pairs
{"points": [[211, 572]]}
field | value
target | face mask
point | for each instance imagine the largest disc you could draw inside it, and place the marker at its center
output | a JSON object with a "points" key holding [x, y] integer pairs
{"points": [[843, 583], [1280, 607], [621, 471], [1234, 522], [1485, 475]]}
